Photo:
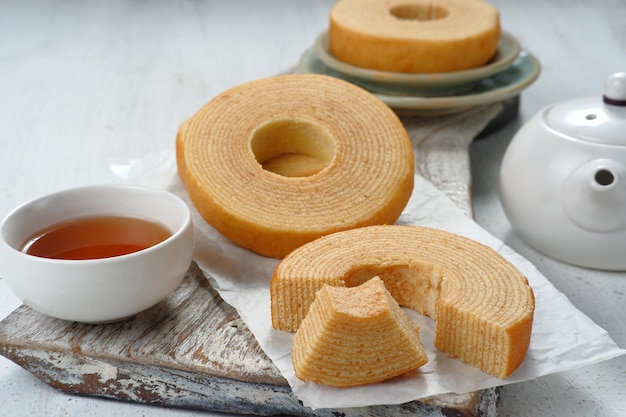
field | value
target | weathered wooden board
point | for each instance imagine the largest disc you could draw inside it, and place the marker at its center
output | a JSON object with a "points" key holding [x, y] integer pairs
{"points": [[193, 350]]}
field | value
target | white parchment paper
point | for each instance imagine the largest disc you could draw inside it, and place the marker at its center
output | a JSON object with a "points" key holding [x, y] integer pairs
{"points": [[563, 338]]}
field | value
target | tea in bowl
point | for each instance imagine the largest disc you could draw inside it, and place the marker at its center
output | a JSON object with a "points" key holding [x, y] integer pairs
{"points": [[96, 254]]}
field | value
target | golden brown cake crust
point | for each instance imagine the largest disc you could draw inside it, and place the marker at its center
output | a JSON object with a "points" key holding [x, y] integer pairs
{"points": [[235, 159], [414, 36], [482, 305]]}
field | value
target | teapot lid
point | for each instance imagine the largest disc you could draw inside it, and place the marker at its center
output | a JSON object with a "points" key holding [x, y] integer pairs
{"points": [[601, 121]]}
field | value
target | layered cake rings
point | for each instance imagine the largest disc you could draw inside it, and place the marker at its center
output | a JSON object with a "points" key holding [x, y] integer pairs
{"points": [[275, 163], [414, 36], [367, 321], [482, 305]]}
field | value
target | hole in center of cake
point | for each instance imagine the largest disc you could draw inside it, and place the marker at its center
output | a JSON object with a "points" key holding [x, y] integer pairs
{"points": [[293, 147], [421, 12]]}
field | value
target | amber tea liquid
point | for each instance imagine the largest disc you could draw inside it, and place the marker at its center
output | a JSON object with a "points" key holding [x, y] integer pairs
{"points": [[96, 237]]}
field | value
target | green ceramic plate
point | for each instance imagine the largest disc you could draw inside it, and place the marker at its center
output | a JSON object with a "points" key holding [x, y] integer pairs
{"points": [[505, 84], [436, 84]]}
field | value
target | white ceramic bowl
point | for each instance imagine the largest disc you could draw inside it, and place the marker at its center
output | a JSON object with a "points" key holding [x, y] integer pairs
{"points": [[97, 290]]}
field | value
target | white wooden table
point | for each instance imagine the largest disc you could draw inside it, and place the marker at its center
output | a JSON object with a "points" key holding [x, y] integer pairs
{"points": [[84, 85]]}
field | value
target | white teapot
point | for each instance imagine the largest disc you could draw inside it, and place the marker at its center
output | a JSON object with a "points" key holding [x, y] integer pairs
{"points": [[563, 180]]}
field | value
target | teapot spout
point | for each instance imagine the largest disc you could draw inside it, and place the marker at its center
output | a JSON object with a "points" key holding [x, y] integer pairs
{"points": [[594, 196]]}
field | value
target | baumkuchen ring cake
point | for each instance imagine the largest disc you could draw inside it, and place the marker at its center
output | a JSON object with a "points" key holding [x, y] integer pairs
{"points": [[414, 36], [356, 336], [482, 305], [275, 163]]}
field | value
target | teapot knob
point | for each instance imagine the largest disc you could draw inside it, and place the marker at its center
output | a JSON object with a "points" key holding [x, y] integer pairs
{"points": [[615, 89]]}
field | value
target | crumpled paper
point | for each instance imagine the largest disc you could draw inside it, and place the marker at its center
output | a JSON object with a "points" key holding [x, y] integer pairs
{"points": [[562, 338]]}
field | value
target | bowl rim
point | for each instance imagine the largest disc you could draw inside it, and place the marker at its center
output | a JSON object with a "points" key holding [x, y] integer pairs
{"points": [[185, 223]]}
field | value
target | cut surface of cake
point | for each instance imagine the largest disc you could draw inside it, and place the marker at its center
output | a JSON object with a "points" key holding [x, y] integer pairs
{"points": [[356, 336]]}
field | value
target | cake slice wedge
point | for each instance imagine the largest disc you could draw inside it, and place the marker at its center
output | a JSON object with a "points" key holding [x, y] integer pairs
{"points": [[354, 336]]}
